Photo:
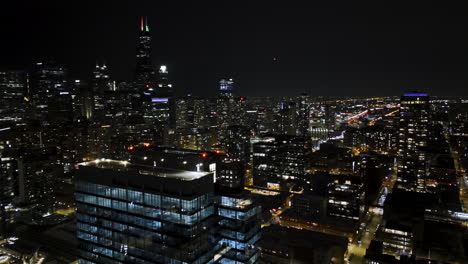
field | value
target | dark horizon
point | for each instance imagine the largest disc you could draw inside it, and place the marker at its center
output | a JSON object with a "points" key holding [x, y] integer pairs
{"points": [[353, 50]]}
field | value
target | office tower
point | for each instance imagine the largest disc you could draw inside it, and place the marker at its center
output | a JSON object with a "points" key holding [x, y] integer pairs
{"points": [[238, 224], [101, 84], [330, 118], [278, 159], [14, 87], [159, 100], [37, 172], [226, 88], [263, 162], [239, 227], [51, 93], [82, 100], [141, 212], [230, 173], [144, 214], [346, 197], [101, 78], [302, 113], [286, 119], [9, 186], [236, 143], [412, 138], [230, 111], [144, 72], [185, 112], [192, 112]]}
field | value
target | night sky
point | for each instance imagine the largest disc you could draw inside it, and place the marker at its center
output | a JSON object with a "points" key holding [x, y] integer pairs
{"points": [[371, 48]]}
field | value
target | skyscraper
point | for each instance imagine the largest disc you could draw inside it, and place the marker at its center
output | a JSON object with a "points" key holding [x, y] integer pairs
{"points": [[137, 212], [51, 95], [159, 100], [101, 84], [144, 72], [14, 86], [143, 214], [278, 159], [412, 138], [226, 88]]}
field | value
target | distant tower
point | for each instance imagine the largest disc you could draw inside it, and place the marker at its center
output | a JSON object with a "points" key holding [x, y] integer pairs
{"points": [[226, 88], [51, 92], [101, 78], [144, 73], [101, 83], [413, 132]]}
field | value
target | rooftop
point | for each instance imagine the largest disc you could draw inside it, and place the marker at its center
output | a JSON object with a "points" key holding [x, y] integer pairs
{"points": [[144, 169]]}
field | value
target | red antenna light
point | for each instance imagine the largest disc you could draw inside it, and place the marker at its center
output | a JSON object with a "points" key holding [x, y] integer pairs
{"points": [[204, 154], [131, 147]]}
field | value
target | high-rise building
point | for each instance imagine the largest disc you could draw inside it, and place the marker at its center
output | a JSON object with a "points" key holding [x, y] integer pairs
{"points": [[346, 197], [82, 100], [239, 227], [101, 78], [278, 159], [50, 92], [303, 113], [14, 87], [226, 88], [141, 212], [159, 100], [144, 72], [37, 174], [236, 142], [9, 179], [412, 138], [101, 84], [286, 119]]}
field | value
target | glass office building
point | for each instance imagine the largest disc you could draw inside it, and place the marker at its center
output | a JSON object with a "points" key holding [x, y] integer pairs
{"points": [[138, 214], [239, 228], [129, 213]]}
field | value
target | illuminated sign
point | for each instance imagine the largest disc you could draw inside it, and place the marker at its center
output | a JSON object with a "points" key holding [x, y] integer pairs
{"points": [[159, 100], [415, 94]]}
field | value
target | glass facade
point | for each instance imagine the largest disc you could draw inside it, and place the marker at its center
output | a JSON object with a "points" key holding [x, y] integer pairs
{"points": [[127, 215], [117, 225], [239, 228]]}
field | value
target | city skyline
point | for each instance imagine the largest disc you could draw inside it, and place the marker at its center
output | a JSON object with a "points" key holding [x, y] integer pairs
{"points": [[153, 133], [372, 49]]}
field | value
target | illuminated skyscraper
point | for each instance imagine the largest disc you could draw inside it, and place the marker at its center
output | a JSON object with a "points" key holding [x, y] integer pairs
{"points": [[51, 95], [160, 100], [144, 72], [13, 95], [140, 212], [101, 84], [143, 214], [226, 88], [412, 137]]}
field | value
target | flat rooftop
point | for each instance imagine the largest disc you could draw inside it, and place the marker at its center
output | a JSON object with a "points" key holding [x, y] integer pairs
{"points": [[160, 172]]}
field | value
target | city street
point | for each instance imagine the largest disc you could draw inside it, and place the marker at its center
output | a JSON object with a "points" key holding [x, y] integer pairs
{"points": [[357, 249]]}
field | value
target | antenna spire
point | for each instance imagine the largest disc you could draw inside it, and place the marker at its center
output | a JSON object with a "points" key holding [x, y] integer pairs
{"points": [[141, 23], [146, 22]]}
